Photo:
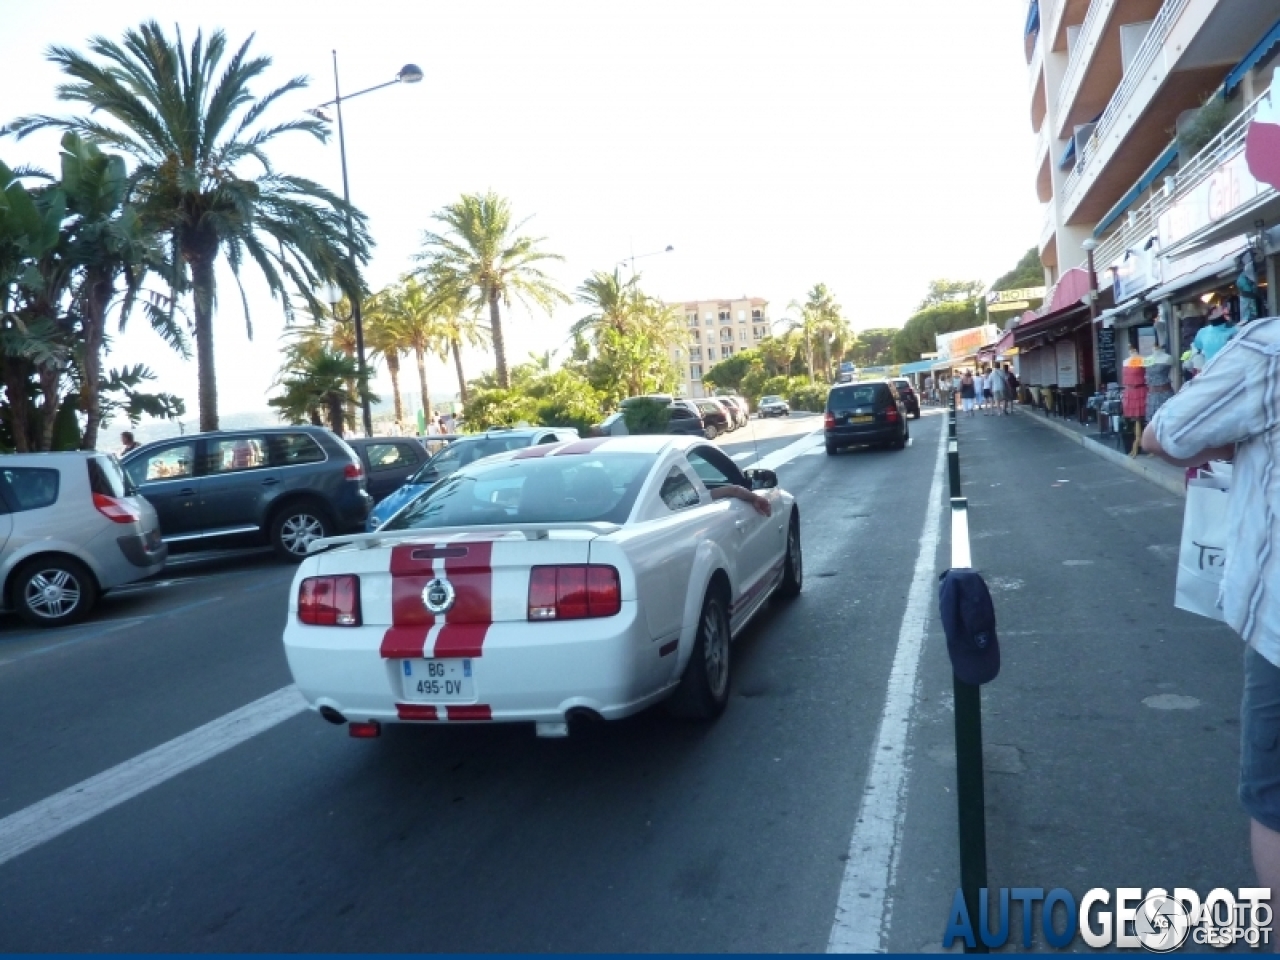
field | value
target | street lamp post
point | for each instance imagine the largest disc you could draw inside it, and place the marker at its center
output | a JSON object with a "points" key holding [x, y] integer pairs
{"points": [[633, 258], [409, 73]]}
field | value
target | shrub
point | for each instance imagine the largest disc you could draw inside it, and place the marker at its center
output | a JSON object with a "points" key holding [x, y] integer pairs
{"points": [[806, 396], [644, 415]]}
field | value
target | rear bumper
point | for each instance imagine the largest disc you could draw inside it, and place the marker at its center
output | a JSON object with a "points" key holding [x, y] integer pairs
{"points": [[352, 510], [526, 672], [870, 433], [147, 551]]}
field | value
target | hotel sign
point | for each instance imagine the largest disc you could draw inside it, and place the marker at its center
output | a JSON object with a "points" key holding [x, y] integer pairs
{"points": [[1012, 297]]}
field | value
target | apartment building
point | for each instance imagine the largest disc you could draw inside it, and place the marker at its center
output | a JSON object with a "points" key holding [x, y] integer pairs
{"points": [[1153, 213], [717, 330]]}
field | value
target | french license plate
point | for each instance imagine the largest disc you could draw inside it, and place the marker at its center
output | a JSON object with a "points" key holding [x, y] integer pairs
{"points": [[861, 419], [437, 681]]}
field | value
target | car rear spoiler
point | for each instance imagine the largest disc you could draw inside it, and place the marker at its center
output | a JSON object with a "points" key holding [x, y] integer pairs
{"points": [[530, 531]]}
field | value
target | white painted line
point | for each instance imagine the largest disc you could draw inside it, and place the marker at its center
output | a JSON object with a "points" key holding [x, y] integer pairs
{"points": [[788, 453], [744, 456], [55, 815], [864, 907]]}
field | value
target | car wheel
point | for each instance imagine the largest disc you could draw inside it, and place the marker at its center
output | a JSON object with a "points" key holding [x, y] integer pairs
{"points": [[709, 433], [901, 442], [793, 571], [296, 527], [831, 450], [53, 591], [703, 691]]}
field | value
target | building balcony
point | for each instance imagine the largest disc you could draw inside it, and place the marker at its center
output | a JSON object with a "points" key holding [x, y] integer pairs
{"points": [[1048, 229], [1044, 169], [1098, 59], [1189, 49]]}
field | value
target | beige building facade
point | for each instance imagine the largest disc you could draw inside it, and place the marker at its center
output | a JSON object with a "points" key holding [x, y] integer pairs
{"points": [[717, 330]]}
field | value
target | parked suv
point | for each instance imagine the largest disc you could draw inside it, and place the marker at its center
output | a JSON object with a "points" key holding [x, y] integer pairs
{"points": [[864, 413], [291, 485], [715, 418], [458, 454], [685, 418], [737, 411], [71, 528], [907, 393]]}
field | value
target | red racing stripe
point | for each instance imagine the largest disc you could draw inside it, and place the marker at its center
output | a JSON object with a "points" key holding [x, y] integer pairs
{"points": [[532, 453], [416, 711], [472, 579], [469, 711], [581, 446], [410, 620]]}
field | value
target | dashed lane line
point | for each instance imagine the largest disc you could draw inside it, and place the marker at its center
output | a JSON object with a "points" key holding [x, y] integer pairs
{"points": [[55, 815], [864, 907]]}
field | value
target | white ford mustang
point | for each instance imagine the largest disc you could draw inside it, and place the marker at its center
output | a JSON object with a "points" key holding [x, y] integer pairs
{"points": [[592, 577]]}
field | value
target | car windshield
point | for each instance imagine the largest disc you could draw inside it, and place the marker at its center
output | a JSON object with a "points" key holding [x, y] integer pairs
{"points": [[770, 399], [853, 396], [468, 450], [561, 489]]}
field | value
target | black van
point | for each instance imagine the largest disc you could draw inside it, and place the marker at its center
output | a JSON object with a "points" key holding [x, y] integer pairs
{"points": [[865, 413]]}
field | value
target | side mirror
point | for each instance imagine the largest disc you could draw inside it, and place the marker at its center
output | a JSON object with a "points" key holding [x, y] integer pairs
{"points": [[761, 479]]}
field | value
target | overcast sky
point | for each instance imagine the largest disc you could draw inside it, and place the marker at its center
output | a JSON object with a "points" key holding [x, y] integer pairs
{"points": [[870, 146]]}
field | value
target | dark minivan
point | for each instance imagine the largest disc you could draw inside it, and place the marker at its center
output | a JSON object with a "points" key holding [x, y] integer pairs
{"points": [[865, 413], [291, 485]]}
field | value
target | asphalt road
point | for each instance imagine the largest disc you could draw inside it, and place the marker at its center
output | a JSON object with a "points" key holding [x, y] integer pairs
{"points": [[648, 834]]}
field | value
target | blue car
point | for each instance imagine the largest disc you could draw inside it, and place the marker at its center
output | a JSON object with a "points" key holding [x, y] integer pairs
{"points": [[460, 453]]}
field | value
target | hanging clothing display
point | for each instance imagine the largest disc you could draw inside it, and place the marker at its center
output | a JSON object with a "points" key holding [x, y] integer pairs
{"points": [[1134, 379], [1158, 369]]}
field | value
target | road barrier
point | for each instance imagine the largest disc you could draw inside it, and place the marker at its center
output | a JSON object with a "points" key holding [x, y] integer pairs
{"points": [[970, 788]]}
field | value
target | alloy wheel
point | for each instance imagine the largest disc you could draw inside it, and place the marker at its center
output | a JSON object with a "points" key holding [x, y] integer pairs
{"points": [[715, 649], [52, 593], [299, 532]]}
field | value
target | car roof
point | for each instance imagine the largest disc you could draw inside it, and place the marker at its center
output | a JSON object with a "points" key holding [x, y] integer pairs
{"points": [[632, 443], [50, 456]]}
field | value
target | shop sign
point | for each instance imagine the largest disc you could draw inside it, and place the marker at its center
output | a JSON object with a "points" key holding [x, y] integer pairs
{"points": [[1262, 139], [1137, 271], [1012, 305], [1012, 296], [962, 343], [1229, 187], [1066, 357]]}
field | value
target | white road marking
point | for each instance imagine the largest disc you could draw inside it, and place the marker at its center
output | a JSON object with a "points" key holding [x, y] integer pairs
{"points": [[55, 815], [788, 453], [864, 907], [747, 455]]}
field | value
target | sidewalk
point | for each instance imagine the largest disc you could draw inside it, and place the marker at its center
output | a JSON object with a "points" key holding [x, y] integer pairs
{"points": [[1112, 732], [1157, 471]]}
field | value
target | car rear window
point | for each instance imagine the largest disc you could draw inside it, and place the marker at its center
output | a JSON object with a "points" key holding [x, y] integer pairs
{"points": [[581, 488], [855, 396], [106, 478], [287, 449], [30, 488]]}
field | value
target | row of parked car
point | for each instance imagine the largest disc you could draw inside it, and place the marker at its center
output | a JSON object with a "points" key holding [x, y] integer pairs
{"points": [[697, 416]]}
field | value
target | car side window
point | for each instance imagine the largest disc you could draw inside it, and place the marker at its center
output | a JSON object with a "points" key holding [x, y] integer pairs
{"points": [[544, 438], [30, 488], [715, 469], [285, 450], [678, 491], [235, 454], [170, 463], [388, 456]]}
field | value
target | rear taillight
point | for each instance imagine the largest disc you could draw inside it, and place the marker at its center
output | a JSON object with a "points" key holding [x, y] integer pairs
{"points": [[330, 601], [115, 510], [574, 592], [829, 420], [353, 471], [891, 414]]}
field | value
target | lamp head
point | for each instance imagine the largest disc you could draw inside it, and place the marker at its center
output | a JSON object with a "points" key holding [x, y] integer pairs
{"points": [[409, 73], [1089, 245], [331, 294]]}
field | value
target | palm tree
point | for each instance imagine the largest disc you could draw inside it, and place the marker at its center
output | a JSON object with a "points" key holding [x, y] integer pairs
{"points": [[481, 258], [386, 337], [190, 125], [614, 301], [458, 323], [317, 377]]}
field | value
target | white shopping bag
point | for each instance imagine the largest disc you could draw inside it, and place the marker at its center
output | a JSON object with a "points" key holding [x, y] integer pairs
{"points": [[1204, 544]]}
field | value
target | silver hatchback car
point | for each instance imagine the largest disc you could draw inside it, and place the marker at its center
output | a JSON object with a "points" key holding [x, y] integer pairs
{"points": [[71, 527]]}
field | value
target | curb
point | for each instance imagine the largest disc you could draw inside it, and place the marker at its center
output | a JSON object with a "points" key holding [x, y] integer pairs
{"points": [[1146, 469]]}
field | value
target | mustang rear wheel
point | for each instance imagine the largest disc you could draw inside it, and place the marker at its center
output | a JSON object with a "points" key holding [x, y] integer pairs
{"points": [[703, 692], [793, 571]]}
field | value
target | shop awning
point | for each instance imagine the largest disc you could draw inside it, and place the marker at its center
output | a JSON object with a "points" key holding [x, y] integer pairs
{"points": [[1226, 267], [1052, 326], [1033, 18], [1251, 59], [1123, 308], [1068, 154], [920, 366]]}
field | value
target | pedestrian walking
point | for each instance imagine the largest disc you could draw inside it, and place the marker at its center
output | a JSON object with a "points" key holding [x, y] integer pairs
{"points": [[968, 392], [1231, 410], [985, 382], [999, 390], [1011, 388]]}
